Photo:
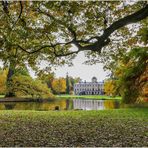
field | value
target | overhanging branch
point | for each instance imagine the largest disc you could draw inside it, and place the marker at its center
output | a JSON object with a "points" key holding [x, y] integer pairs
{"points": [[21, 11], [102, 40]]}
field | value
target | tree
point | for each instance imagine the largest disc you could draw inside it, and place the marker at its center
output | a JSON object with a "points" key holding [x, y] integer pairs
{"points": [[98, 18], [59, 85], [25, 25], [110, 87], [17, 70], [22, 85], [72, 81], [130, 72], [67, 22], [67, 84], [46, 77], [129, 68], [3, 76], [25, 86]]}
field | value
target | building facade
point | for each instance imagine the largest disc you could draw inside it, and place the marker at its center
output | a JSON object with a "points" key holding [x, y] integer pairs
{"points": [[89, 88]]}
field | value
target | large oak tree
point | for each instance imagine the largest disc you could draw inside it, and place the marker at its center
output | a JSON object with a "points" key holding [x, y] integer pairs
{"points": [[35, 31]]}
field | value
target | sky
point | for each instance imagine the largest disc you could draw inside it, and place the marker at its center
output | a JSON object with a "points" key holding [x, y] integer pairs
{"points": [[85, 72]]}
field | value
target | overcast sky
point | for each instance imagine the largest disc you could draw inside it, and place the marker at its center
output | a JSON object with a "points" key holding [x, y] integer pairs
{"points": [[85, 72]]}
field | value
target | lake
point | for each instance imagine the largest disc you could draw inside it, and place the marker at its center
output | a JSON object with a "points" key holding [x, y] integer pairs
{"points": [[75, 104]]}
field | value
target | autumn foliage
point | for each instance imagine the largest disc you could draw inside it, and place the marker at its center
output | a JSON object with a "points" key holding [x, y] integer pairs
{"points": [[59, 85], [3, 76], [110, 87]]}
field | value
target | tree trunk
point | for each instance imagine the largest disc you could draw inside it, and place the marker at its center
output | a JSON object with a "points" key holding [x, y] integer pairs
{"points": [[11, 71]]}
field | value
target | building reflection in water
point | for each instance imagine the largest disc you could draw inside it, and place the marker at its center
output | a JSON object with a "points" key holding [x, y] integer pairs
{"points": [[94, 104]]}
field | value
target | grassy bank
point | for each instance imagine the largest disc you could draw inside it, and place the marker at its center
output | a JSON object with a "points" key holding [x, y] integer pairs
{"points": [[123, 127], [97, 97], [2, 96]]}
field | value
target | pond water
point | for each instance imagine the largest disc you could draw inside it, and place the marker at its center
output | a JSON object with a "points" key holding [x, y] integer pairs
{"points": [[76, 104]]}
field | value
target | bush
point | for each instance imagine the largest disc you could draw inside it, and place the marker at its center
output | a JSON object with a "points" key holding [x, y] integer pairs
{"points": [[23, 85], [3, 77]]}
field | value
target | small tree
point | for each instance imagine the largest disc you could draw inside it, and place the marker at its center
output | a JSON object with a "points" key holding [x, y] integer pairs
{"points": [[59, 85]]}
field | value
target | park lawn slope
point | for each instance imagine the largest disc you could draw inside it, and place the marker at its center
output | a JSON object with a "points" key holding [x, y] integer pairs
{"points": [[95, 97], [123, 127]]}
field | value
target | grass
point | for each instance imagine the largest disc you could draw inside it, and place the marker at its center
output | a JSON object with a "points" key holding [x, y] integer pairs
{"points": [[2, 96], [118, 128], [97, 97]]}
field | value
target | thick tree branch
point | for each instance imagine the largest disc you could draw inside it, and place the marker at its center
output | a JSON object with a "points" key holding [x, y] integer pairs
{"points": [[40, 48], [21, 11], [133, 18], [103, 40], [66, 54]]}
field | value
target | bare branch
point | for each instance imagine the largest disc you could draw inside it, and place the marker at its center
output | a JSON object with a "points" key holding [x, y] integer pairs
{"points": [[21, 11]]}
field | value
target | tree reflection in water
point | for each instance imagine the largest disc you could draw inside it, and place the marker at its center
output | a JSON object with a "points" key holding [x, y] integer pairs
{"points": [[62, 105]]}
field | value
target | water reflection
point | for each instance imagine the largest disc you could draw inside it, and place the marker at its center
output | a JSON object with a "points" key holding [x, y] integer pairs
{"points": [[62, 105], [95, 104], [52, 105], [9, 106]]}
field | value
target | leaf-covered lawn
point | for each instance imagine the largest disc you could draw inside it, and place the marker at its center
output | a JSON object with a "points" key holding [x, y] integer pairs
{"points": [[124, 127]]}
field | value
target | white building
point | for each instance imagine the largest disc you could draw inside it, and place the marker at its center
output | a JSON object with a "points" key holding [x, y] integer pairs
{"points": [[89, 88]]}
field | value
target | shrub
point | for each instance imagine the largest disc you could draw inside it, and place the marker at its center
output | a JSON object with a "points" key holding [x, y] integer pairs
{"points": [[23, 85]]}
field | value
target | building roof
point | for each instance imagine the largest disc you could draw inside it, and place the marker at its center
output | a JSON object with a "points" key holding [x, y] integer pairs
{"points": [[89, 83], [94, 78]]}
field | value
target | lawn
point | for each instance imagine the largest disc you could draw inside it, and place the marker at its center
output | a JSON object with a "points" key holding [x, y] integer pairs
{"points": [[97, 97], [118, 128], [1, 96]]}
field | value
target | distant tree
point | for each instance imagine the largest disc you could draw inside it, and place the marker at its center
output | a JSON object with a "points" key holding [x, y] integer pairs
{"points": [[46, 77], [72, 81], [67, 84], [59, 85], [110, 87], [71, 84]]}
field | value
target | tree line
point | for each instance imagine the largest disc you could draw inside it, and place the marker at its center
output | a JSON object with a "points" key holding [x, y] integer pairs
{"points": [[43, 86]]}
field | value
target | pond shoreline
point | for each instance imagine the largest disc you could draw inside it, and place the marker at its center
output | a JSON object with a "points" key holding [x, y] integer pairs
{"points": [[15, 99], [93, 97], [2, 100]]}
